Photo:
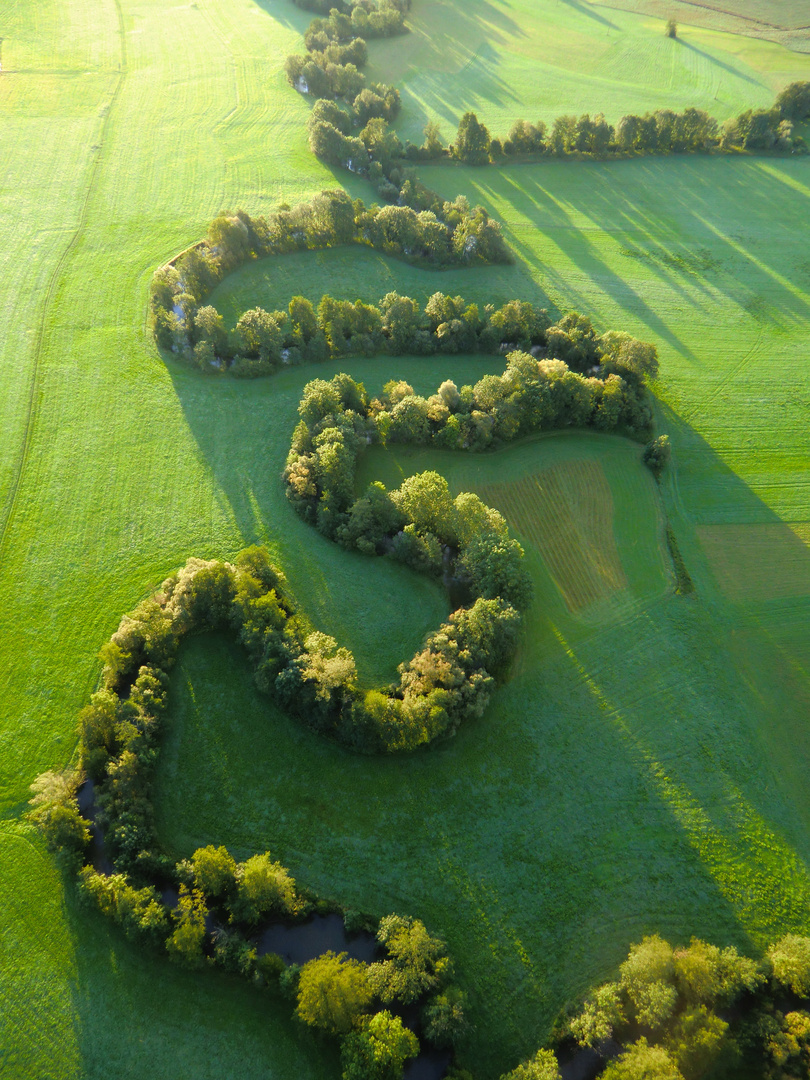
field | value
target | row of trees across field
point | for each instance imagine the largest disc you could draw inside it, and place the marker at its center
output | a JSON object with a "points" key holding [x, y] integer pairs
{"points": [[659, 132], [184, 324]]}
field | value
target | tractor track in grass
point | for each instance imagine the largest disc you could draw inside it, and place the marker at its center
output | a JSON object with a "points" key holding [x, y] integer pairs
{"points": [[51, 290], [729, 377]]}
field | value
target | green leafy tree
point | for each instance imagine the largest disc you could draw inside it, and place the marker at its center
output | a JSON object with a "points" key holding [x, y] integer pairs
{"points": [[188, 937], [696, 1040], [790, 959], [601, 1015], [543, 1066], [416, 964], [333, 992], [425, 499], [657, 455], [262, 886], [214, 871], [433, 145], [55, 811], [472, 141], [258, 333], [378, 1049], [443, 1017], [794, 101], [647, 978], [707, 975], [643, 1062], [303, 320]]}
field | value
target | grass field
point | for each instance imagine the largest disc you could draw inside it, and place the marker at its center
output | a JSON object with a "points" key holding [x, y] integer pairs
{"points": [[537, 60], [645, 769]]}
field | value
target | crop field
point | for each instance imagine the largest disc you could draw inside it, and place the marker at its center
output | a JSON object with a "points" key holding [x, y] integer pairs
{"points": [[645, 767]]}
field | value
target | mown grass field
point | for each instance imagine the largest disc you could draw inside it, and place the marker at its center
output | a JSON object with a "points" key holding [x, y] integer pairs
{"points": [[645, 769]]}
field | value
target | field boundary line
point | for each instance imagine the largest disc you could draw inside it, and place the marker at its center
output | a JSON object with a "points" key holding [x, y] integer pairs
{"points": [[50, 293]]}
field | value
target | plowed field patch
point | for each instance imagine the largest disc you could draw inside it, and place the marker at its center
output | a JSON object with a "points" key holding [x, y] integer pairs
{"points": [[566, 513]]}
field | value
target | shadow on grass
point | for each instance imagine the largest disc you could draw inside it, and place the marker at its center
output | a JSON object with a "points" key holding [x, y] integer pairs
{"points": [[702, 226], [644, 776], [719, 63], [140, 1016]]}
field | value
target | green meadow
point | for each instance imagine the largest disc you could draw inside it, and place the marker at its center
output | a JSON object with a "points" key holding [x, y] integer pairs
{"points": [[645, 767]]}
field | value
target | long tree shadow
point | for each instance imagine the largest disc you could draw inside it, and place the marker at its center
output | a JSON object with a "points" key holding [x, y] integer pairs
{"points": [[719, 63]]}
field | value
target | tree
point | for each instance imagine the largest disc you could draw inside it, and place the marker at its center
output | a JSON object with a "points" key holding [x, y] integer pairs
{"points": [[696, 1040], [706, 975], [214, 871], [657, 454], [433, 144], [599, 1018], [55, 811], [627, 356], [186, 941], [443, 1017], [543, 1066], [790, 959], [303, 320], [333, 992], [417, 962], [794, 101], [425, 499], [643, 1062], [210, 326], [378, 1049], [258, 333], [646, 977], [401, 322], [494, 565], [472, 141], [329, 668], [262, 886]]}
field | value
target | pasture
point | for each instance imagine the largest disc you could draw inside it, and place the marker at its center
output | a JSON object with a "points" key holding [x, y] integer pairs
{"points": [[535, 61], [645, 768]]}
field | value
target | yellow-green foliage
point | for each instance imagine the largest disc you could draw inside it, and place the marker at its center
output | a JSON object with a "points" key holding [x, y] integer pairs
{"points": [[333, 992]]}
